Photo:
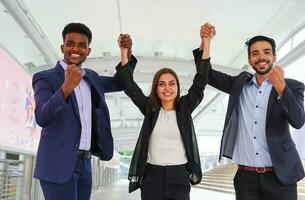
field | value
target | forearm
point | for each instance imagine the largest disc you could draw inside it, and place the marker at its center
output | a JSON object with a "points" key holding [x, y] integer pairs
{"points": [[66, 91], [131, 89], [113, 84], [216, 79], [124, 56], [48, 106], [206, 49], [292, 103], [195, 93]]}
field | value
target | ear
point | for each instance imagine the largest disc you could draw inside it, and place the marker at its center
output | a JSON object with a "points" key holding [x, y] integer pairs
{"points": [[274, 59], [89, 50], [249, 61], [62, 48]]}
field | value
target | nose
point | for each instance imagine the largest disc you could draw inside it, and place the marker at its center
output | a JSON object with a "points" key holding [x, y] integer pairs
{"points": [[262, 56], [167, 86], [75, 48]]}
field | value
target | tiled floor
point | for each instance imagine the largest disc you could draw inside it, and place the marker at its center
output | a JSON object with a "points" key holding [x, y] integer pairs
{"points": [[119, 191]]}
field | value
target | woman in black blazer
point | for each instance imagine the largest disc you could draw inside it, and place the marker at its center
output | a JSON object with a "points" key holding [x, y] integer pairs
{"points": [[166, 158]]}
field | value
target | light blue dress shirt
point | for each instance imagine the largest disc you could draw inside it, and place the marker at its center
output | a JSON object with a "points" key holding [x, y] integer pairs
{"points": [[251, 147], [83, 97]]}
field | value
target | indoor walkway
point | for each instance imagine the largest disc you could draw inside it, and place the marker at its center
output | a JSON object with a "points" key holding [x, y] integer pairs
{"points": [[119, 191]]}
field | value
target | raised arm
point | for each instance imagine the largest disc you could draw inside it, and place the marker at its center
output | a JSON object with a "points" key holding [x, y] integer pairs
{"points": [[112, 84], [125, 77], [207, 32], [217, 79], [195, 93], [125, 47]]}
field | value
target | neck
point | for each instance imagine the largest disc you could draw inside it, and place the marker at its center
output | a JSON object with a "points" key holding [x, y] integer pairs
{"points": [[261, 78], [68, 63], [168, 106]]}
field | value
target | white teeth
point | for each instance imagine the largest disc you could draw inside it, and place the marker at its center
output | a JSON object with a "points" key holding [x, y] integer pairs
{"points": [[262, 63], [75, 55]]}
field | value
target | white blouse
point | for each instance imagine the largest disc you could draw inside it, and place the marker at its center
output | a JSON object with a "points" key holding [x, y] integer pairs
{"points": [[165, 144]]}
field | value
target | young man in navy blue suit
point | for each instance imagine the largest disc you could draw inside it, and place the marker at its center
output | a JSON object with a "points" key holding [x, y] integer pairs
{"points": [[256, 133], [71, 109]]}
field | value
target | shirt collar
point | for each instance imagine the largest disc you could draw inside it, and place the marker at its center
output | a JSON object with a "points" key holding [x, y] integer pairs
{"points": [[64, 66], [254, 81]]}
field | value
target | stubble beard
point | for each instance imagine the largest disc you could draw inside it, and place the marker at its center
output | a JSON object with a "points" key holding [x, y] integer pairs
{"points": [[265, 71]]}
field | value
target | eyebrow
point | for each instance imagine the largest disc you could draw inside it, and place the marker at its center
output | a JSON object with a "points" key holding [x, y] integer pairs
{"points": [[254, 51], [73, 41], [168, 81]]}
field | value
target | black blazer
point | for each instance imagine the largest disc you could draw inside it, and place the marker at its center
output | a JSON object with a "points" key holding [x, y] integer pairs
{"points": [[289, 109], [184, 119]]}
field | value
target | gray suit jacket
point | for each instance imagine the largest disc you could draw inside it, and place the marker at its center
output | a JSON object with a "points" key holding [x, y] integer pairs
{"points": [[289, 109]]}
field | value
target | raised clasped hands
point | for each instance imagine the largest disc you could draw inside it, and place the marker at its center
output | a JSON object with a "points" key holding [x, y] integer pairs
{"points": [[207, 31], [125, 44]]}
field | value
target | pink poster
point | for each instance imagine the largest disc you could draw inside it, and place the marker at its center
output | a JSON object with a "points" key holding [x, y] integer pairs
{"points": [[18, 128]]}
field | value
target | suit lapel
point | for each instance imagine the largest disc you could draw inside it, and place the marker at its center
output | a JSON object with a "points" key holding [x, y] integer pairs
{"points": [[88, 77], [75, 105], [272, 99], [236, 93], [95, 88], [59, 69], [91, 81], [154, 118]]}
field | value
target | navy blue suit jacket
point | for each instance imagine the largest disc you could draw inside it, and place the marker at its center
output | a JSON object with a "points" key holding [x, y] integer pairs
{"points": [[60, 122], [289, 109]]}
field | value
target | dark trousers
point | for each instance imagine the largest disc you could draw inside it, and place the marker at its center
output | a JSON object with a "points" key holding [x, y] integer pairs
{"points": [[266, 186], [77, 188], [165, 183]]}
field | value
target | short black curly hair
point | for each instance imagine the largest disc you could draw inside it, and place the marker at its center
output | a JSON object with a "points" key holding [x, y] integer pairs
{"points": [[77, 28], [261, 38]]}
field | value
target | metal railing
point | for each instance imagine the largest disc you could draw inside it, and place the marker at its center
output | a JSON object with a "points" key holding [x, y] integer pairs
{"points": [[11, 178]]}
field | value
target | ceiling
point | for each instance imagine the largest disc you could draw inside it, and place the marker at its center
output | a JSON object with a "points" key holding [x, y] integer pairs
{"points": [[164, 34]]}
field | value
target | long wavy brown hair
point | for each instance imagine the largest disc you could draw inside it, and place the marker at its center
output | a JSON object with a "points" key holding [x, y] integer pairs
{"points": [[154, 102]]}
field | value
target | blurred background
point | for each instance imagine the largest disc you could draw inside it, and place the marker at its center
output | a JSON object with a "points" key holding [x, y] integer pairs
{"points": [[164, 33]]}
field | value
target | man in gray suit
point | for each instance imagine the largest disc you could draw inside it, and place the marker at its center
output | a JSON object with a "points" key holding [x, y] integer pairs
{"points": [[256, 132]]}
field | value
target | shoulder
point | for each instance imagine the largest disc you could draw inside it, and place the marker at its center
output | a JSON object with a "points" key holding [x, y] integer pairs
{"points": [[293, 83], [242, 77], [183, 105], [92, 73], [245, 74], [44, 74]]}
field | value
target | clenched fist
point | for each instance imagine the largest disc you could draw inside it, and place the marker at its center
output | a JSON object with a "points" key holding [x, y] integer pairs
{"points": [[276, 77], [73, 76]]}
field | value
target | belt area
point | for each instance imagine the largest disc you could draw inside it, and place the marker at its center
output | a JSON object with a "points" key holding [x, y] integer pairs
{"points": [[259, 170], [84, 154]]}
